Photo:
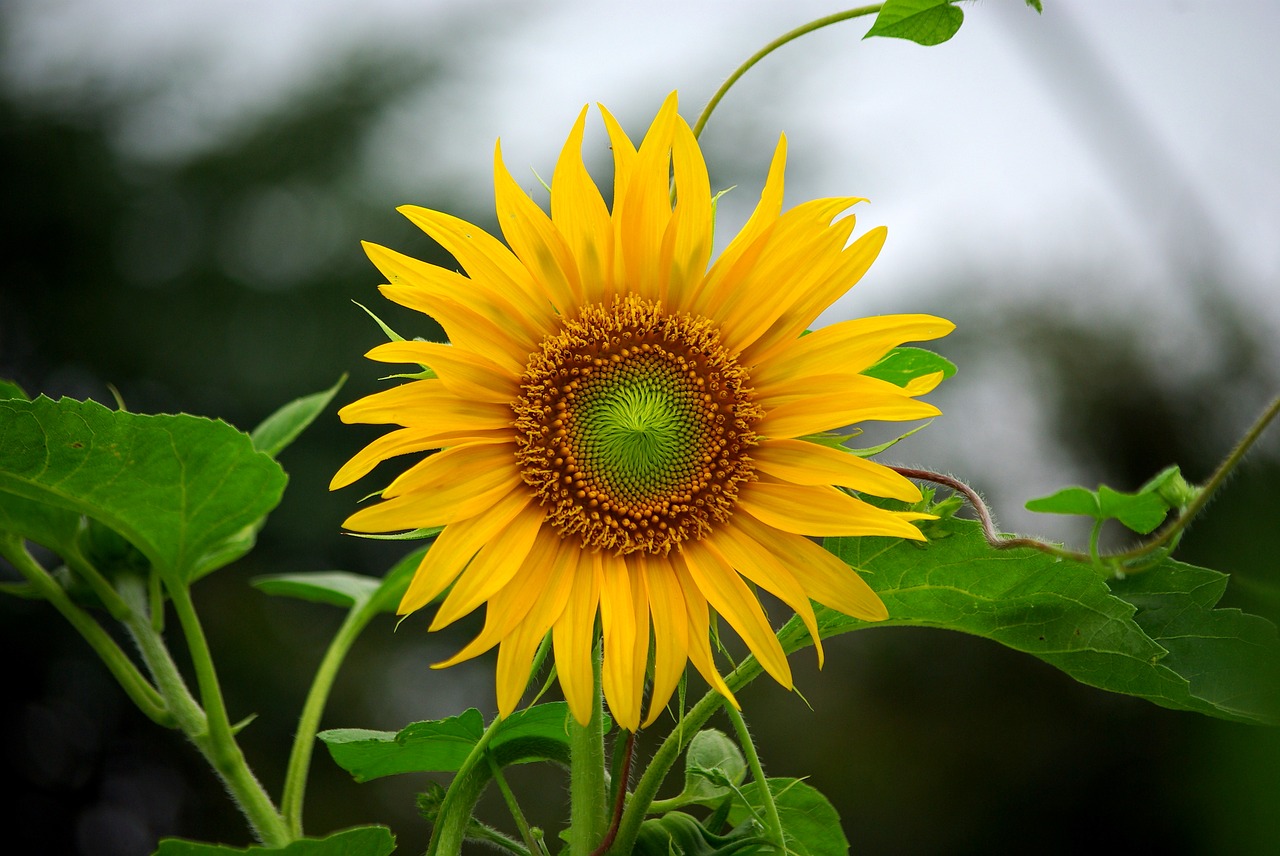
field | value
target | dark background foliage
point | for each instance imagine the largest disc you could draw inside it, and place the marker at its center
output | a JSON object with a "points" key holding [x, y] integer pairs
{"points": [[220, 282]]}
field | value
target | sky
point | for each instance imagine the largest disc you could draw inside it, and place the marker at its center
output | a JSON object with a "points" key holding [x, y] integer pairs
{"points": [[1127, 146]]}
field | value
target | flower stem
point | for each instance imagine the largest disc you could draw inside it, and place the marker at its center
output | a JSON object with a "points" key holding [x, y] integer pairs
{"points": [[772, 822], [136, 686], [222, 750], [461, 798], [1128, 561], [295, 781], [770, 48], [646, 790], [588, 805], [513, 805]]}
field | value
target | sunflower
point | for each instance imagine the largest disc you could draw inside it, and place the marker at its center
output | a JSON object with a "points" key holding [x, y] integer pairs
{"points": [[619, 430]]}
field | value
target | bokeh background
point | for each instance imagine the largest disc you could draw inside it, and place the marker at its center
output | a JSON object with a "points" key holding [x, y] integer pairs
{"points": [[1093, 195]]}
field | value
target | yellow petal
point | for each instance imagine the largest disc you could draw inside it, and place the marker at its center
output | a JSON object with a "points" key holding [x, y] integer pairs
{"points": [[573, 638], [427, 402], [642, 211], [430, 285], [510, 605], [515, 655], [464, 373], [466, 328], [762, 219], [493, 567], [486, 260], [670, 631], [579, 213], [827, 580], [686, 247], [699, 620], [834, 401], [854, 261], [618, 624], [844, 347], [455, 547], [755, 563], [729, 596], [432, 493], [802, 247], [817, 510], [535, 240], [405, 441], [802, 462]]}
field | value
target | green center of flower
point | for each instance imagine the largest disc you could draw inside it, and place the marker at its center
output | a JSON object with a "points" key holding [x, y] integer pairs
{"points": [[634, 427]]}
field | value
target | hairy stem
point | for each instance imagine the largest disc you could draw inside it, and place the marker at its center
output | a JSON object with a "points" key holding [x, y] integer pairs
{"points": [[1124, 561], [770, 48], [772, 822]]}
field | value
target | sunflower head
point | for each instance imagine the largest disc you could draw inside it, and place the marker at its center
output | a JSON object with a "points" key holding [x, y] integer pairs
{"points": [[617, 427]]}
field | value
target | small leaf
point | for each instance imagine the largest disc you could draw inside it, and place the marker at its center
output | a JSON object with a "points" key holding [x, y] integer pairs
{"points": [[1069, 500], [360, 841], [281, 428], [177, 487], [902, 365], [1142, 512], [534, 734], [336, 588], [925, 22], [1035, 4], [810, 824], [712, 763]]}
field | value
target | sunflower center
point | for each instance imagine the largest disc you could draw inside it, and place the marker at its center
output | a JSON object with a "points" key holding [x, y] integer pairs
{"points": [[634, 427]]}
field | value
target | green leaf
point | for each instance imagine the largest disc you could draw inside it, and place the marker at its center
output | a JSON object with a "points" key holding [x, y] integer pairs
{"points": [[55, 528], [713, 765], [1141, 512], [902, 365], [1035, 4], [9, 390], [680, 834], [534, 734], [179, 488], [281, 428], [810, 824], [1230, 658], [336, 588], [1069, 500], [1154, 635], [360, 841], [925, 22]]}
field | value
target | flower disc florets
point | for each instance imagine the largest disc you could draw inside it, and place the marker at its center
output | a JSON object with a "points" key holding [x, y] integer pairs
{"points": [[634, 427]]}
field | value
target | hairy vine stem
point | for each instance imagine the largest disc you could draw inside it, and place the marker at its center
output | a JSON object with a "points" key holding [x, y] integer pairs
{"points": [[1122, 561]]}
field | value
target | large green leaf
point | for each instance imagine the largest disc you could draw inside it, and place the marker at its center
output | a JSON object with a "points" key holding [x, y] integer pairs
{"points": [[360, 841], [186, 491], [810, 824], [1155, 635], [534, 734]]}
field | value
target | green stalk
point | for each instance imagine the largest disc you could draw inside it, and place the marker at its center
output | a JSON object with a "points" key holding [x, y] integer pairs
{"points": [[295, 780], [513, 805], [460, 799], [223, 752], [136, 686], [589, 812], [773, 822], [664, 759], [770, 48]]}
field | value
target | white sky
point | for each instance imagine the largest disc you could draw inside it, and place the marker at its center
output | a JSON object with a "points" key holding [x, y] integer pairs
{"points": [[992, 158]]}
